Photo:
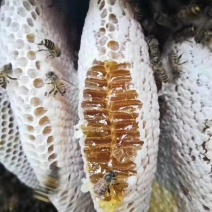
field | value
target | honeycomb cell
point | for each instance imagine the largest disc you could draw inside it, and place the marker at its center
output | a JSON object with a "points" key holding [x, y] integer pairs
{"points": [[47, 130], [19, 44], [35, 101], [30, 38], [40, 111], [103, 41], [11, 125], [4, 116], [37, 64], [22, 12], [102, 4], [32, 73], [28, 118], [44, 121], [113, 19], [110, 27], [113, 45], [37, 10], [31, 55], [30, 128], [31, 137], [51, 149], [50, 140], [11, 132], [15, 54], [32, 2], [22, 61], [17, 72], [111, 2], [104, 13], [4, 123], [23, 90], [27, 5], [102, 31], [8, 21], [52, 157], [34, 15], [102, 50], [38, 83], [3, 110], [30, 22], [26, 28], [15, 27]]}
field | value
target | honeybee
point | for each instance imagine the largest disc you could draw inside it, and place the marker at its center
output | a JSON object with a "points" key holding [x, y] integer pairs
{"points": [[159, 68], [174, 62], [185, 33], [57, 83], [103, 185], [203, 36], [169, 22], [53, 49], [50, 185], [4, 75], [208, 10], [154, 50], [189, 13]]}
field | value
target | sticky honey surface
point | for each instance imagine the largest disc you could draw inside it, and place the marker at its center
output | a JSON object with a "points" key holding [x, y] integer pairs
{"points": [[110, 107]]}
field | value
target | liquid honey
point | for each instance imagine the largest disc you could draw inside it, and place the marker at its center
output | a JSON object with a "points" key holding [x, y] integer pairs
{"points": [[110, 107]]}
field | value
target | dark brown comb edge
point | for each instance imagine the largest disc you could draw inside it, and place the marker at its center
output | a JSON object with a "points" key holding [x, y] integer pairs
{"points": [[110, 107]]}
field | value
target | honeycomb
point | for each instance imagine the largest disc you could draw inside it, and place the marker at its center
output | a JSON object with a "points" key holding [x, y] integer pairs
{"points": [[184, 162], [45, 122], [118, 108], [110, 108], [11, 153]]}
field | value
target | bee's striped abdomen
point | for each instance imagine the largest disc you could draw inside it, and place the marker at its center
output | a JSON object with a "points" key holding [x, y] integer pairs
{"points": [[48, 44]]}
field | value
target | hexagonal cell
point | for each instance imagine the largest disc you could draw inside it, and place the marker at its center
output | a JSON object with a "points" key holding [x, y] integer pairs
{"points": [[21, 11], [37, 10], [30, 22], [110, 27], [44, 121], [38, 83], [35, 101], [113, 18], [50, 140], [31, 55], [104, 13], [27, 5], [32, 2], [8, 21], [102, 4], [47, 130], [40, 111], [113, 45], [52, 157], [15, 26], [23, 90], [111, 2], [30, 38], [19, 44], [34, 15], [22, 61], [37, 64]]}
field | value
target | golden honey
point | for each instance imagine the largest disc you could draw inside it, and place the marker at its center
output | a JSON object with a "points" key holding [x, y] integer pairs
{"points": [[110, 107]]}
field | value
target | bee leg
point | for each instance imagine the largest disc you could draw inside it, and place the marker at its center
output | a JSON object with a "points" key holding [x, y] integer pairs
{"points": [[52, 89], [12, 78], [56, 91], [48, 57], [183, 62]]}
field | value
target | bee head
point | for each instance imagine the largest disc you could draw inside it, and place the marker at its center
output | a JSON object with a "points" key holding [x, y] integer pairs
{"points": [[110, 176], [8, 66], [50, 74]]}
